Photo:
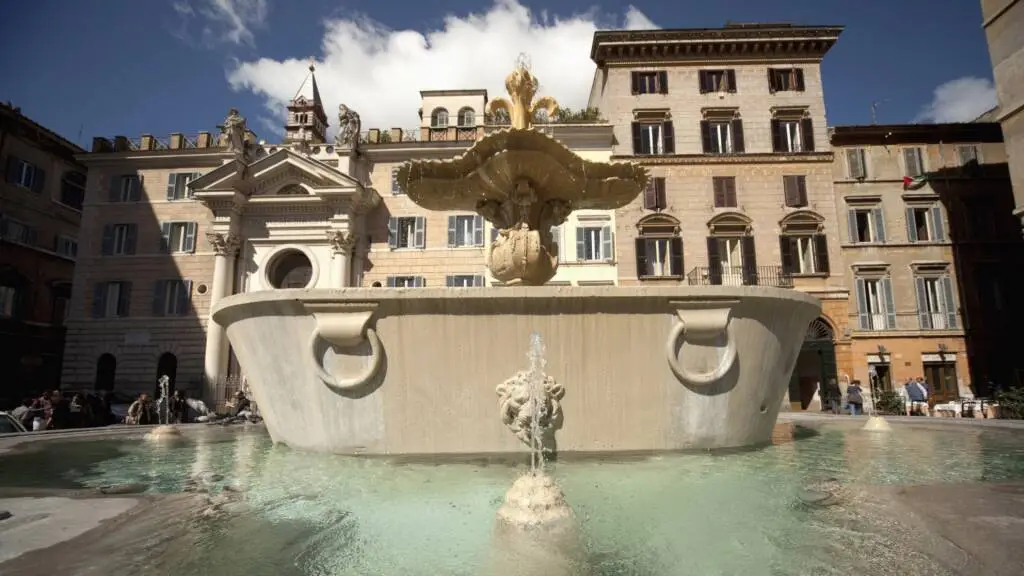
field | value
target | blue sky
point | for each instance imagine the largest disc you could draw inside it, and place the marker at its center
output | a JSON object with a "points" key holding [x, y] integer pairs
{"points": [[108, 67]]}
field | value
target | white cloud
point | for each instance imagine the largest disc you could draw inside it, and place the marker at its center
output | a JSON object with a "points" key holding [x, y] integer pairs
{"points": [[379, 72], [230, 21], [960, 100]]}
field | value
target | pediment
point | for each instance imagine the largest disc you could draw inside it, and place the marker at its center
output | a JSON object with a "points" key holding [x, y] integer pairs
{"points": [[283, 173]]}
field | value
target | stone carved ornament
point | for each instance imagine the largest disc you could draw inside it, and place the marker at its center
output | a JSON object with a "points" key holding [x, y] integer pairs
{"points": [[520, 415], [350, 124], [225, 244], [341, 242], [233, 132]]}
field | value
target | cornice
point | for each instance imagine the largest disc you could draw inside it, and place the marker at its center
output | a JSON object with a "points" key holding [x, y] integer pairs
{"points": [[156, 158], [702, 159]]}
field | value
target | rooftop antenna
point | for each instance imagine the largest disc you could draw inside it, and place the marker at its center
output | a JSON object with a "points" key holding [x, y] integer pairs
{"points": [[874, 110]]}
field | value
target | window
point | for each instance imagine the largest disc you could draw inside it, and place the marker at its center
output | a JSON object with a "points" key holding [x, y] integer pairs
{"points": [[72, 189], [855, 163], [172, 297], [867, 224], [792, 135], [794, 188], [439, 118], [119, 239], [395, 188], [654, 194], [594, 243], [724, 188], [875, 308], [8, 301], [302, 118], [722, 136], [649, 82], [178, 237], [804, 254], [61, 309], [406, 282], [17, 232], [467, 118], [924, 224], [464, 281], [24, 174], [465, 231], [653, 138], [125, 188], [407, 232], [936, 308], [717, 81], [177, 185], [111, 299], [785, 80], [967, 154], [731, 261], [913, 165], [66, 246]]}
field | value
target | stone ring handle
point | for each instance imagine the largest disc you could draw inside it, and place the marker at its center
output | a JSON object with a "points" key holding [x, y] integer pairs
{"points": [[704, 324], [345, 330]]}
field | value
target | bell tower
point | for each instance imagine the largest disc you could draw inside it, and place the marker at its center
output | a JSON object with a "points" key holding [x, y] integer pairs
{"points": [[307, 121]]}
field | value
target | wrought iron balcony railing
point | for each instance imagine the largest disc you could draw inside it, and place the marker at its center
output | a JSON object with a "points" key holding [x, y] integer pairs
{"points": [[739, 276]]}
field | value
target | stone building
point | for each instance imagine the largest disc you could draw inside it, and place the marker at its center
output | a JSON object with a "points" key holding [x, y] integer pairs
{"points": [[1003, 21], [931, 253], [41, 193]]}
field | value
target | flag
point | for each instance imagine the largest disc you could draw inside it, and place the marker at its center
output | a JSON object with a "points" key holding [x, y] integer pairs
{"points": [[915, 182]]}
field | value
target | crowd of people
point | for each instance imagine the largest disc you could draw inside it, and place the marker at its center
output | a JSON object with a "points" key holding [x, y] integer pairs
{"points": [[914, 393], [55, 411]]}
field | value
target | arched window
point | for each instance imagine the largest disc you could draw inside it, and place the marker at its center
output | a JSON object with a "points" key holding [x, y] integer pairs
{"points": [[732, 260], [819, 330], [659, 249], [467, 118], [803, 246], [439, 118], [106, 371]]}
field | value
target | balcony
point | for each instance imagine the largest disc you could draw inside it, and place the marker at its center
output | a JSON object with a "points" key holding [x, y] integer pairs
{"points": [[736, 276]]}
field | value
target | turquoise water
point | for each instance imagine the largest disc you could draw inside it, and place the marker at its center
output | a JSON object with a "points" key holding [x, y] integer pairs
{"points": [[313, 514]]}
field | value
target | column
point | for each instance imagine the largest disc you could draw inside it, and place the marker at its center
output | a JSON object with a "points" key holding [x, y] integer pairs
{"points": [[341, 248], [215, 365]]}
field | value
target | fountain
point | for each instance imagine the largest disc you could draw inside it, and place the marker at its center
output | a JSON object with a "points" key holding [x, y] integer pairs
{"points": [[164, 430], [410, 371]]}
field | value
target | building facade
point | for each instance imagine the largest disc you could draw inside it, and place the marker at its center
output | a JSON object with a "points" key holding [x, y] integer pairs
{"points": [[41, 192], [1003, 21]]}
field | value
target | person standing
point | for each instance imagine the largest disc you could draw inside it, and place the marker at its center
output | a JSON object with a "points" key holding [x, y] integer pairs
{"points": [[854, 399]]}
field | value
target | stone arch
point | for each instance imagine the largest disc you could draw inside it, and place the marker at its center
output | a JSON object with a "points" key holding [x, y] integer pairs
{"points": [[659, 221], [467, 117], [730, 223], [802, 222], [820, 330], [815, 366], [439, 117]]}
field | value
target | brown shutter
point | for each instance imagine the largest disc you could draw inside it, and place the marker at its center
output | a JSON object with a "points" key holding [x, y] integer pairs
{"points": [[738, 145], [821, 253], [650, 195], [675, 265], [807, 132], [771, 80], [635, 82], [637, 139], [777, 140], [660, 201], [730, 191], [730, 79], [663, 82], [705, 135], [641, 257], [718, 189], [749, 261], [791, 191], [714, 262], [702, 80], [668, 135], [801, 186], [786, 254], [798, 79]]}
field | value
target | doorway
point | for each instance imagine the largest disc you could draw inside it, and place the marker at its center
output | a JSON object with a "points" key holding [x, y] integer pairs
{"points": [[167, 365], [941, 378], [106, 370], [815, 366], [880, 374]]}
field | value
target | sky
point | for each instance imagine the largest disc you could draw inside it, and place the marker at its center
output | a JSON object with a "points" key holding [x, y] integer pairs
{"points": [[128, 67]]}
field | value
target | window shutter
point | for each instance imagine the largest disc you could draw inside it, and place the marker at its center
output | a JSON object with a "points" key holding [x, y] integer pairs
{"points": [[607, 243], [131, 238], [114, 193], [124, 299], [188, 190], [778, 142], [38, 179], [702, 81], [863, 319], [581, 249], [159, 298], [730, 191], [418, 282], [807, 134], [890, 304], [660, 201], [184, 298], [749, 261], [107, 243], [912, 161], [641, 257], [714, 262], [938, 226], [801, 189], [449, 281], [421, 232], [669, 137], [879, 217], [911, 225], [738, 145], [675, 252], [705, 135], [923, 315], [135, 191], [165, 237], [851, 223], [390, 282], [190, 236], [635, 82], [771, 80], [172, 184], [949, 301], [730, 78], [638, 141], [452, 223], [478, 280], [791, 191], [798, 79], [855, 161], [821, 254], [663, 82], [651, 195], [478, 230], [786, 254], [392, 233], [718, 189], [13, 169], [99, 299]]}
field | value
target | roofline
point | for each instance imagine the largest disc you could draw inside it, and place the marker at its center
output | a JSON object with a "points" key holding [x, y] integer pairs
{"points": [[13, 113], [462, 92], [883, 134]]}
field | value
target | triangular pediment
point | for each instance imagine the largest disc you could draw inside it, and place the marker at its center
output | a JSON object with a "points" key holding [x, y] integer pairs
{"points": [[283, 172]]}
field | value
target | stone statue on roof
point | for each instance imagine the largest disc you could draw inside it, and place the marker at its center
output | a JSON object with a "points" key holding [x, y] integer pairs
{"points": [[350, 124]]}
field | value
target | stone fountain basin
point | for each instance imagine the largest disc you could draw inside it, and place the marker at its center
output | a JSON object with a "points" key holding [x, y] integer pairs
{"points": [[414, 371]]}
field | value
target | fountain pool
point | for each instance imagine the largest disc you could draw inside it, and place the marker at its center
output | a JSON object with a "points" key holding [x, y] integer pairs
{"points": [[299, 513]]}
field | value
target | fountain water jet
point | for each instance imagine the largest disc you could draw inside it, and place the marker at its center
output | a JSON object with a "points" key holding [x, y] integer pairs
{"points": [[165, 430]]}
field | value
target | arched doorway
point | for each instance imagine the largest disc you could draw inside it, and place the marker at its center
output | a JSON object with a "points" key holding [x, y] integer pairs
{"points": [[815, 365], [106, 370], [167, 365]]}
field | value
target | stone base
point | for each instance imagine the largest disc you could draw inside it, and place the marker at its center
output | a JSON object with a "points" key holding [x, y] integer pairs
{"points": [[877, 424], [164, 432], [535, 501], [536, 532]]}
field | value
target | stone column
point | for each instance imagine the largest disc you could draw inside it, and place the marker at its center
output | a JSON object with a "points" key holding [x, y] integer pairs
{"points": [[215, 365], [341, 249]]}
